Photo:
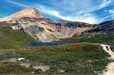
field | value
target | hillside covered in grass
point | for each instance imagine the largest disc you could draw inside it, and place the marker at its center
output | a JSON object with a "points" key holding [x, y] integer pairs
{"points": [[13, 39]]}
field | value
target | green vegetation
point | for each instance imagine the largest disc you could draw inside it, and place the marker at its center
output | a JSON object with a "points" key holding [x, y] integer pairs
{"points": [[105, 39], [108, 39], [13, 68], [13, 39], [74, 59], [63, 52]]}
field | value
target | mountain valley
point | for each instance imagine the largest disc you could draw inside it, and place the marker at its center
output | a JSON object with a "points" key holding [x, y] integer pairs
{"points": [[30, 42]]}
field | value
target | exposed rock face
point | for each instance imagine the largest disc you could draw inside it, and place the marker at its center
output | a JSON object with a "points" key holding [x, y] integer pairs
{"points": [[42, 29]]}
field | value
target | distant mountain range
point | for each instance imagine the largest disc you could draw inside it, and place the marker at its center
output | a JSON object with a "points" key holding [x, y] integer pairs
{"points": [[105, 27], [32, 22]]}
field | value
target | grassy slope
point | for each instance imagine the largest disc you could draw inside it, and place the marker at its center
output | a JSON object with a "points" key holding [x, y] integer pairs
{"points": [[13, 39]]}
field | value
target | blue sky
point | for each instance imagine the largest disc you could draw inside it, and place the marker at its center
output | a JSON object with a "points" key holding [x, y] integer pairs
{"points": [[89, 11]]}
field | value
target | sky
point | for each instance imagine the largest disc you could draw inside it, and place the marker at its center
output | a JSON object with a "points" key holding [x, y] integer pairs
{"points": [[89, 11]]}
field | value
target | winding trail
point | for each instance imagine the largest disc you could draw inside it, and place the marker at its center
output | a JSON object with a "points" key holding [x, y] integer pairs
{"points": [[110, 67], [108, 49]]}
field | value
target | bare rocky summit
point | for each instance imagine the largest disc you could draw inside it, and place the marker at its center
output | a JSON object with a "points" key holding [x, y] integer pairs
{"points": [[27, 12]]}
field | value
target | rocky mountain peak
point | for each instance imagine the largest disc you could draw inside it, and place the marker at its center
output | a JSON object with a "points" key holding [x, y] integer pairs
{"points": [[27, 12]]}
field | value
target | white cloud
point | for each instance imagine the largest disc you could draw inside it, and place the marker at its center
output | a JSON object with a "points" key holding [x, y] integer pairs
{"points": [[111, 11], [105, 18], [17, 3], [88, 18], [79, 7], [49, 11], [104, 3], [46, 10], [91, 20]]}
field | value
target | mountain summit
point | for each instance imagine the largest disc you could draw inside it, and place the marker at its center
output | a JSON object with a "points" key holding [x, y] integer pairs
{"points": [[29, 12]]}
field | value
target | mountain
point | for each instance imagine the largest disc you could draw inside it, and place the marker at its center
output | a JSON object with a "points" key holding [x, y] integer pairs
{"points": [[32, 22], [29, 12], [37, 26], [105, 27]]}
